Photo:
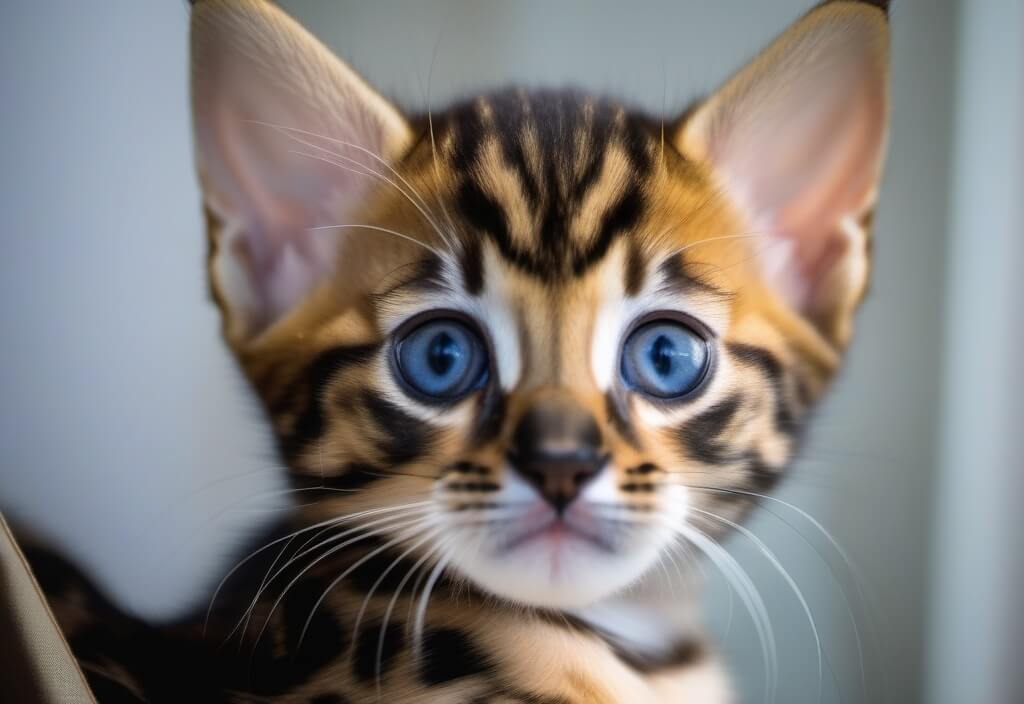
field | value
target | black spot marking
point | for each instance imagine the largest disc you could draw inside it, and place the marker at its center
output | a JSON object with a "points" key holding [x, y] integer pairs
{"points": [[490, 417], [681, 276], [145, 652], [763, 477], [473, 486], [448, 654], [699, 435], [636, 487], [472, 264], [325, 638], [643, 469], [467, 467], [638, 145], [108, 690], [385, 566], [682, 654], [310, 424], [486, 215], [467, 132], [353, 477], [476, 506], [772, 370], [405, 438], [287, 658], [635, 271], [618, 416], [329, 699], [365, 666]]}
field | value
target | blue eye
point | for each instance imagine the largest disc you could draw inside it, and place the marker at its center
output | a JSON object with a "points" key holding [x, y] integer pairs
{"points": [[664, 359], [443, 359]]}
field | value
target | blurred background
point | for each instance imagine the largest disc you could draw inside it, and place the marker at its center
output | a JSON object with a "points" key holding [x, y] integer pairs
{"points": [[127, 436]]}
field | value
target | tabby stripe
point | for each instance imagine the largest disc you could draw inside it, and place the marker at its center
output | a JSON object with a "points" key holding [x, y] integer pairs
{"points": [[490, 417], [635, 271], [772, 370], [486, 214], [449, 654], [680, 275], [699, 435], [365, 665], [329, 699], [471, 262], [311, 383], [365, 576], [352, 477], [623, 215], [405, 438], [763, 477], [618, 416], [682, 654]]}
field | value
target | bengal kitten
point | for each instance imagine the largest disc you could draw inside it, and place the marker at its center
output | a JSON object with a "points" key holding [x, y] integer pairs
{"points": [[516, 355]]}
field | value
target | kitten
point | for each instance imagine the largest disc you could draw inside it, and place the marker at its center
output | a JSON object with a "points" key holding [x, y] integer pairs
{"points": [[515, 355]]}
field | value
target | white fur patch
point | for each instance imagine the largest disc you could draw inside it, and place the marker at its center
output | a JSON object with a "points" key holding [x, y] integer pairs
{"points": [[567, 571]]}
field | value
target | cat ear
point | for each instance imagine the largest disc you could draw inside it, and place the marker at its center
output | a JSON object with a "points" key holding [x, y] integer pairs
{"points": [[276, 115], [797, 139]]}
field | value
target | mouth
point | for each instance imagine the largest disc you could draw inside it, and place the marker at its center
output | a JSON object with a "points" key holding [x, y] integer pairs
{"points": [[557, 533]]}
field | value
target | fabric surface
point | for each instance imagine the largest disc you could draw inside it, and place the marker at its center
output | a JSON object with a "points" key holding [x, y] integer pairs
{"points": [[36, 665]]}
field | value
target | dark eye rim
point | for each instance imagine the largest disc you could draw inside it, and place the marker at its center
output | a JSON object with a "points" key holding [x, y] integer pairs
{"points": [[702, 331], [414, 323]]}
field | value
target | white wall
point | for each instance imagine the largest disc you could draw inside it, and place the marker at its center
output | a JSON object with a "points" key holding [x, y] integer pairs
{"points": [[122, 416], [977, 630], [120, 409]]}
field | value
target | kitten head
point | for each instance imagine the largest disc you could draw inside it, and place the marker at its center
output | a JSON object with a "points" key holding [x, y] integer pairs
{"points": [[537, 339]]}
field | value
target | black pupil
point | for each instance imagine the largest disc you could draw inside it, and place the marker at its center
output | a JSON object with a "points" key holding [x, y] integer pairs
{"points": [[442, 354], [662, 355]]}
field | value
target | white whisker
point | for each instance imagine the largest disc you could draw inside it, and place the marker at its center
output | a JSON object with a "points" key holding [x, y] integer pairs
{"points": [[380, 578], [748, 594], [419, 203], [770, 556], [349, 570], [377, 228], [421, 607], [857, 578], [321, 524], [391, 607], [389, 522]]}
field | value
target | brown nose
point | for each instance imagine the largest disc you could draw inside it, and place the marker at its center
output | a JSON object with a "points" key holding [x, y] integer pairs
{"points": [[557, 448]]}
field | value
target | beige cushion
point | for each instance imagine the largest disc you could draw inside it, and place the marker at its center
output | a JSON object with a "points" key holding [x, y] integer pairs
{"points": [[36, 665]]}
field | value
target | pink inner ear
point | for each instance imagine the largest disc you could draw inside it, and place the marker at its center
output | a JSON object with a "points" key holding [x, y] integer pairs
{"points": [[277, 196], [276, 115], [840, 185], [283, 190], [798, 138]]}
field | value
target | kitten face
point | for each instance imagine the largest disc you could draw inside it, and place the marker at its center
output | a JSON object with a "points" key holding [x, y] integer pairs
{"points": [[545, 345], [549, 291]]}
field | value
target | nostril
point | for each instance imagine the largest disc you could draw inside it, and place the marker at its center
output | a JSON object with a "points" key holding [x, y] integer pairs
{"points": [[560, 478]]}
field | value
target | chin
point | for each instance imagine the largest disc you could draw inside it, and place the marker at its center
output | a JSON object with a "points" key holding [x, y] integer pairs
{"points": [[556, 565]]}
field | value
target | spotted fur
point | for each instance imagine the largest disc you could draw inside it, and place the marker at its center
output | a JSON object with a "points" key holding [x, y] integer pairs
{"points": [[553, 221]]}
